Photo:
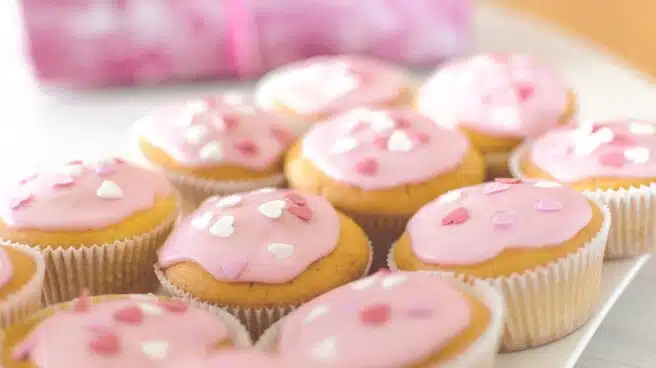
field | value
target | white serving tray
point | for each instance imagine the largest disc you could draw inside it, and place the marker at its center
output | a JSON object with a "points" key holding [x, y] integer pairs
{"points": [[617, 275]]}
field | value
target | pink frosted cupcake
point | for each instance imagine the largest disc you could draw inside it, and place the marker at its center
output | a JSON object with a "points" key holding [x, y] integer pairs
{"points": [[22, 271], [216, 145], [498, 100], [322, 86]]}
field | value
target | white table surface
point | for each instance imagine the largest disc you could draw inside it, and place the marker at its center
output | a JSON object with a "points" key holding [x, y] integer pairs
{"points": [[43, 126]]}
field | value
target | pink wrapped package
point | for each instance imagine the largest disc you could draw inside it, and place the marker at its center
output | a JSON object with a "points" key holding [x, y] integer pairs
{"points": [[91, 43]]}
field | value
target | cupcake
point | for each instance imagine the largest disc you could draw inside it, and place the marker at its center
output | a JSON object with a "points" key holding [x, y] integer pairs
{"points": [[394, 320], [261, 254], [118, 331], [216, 145], [98, 225], [380, 166], [498, 101], [613, 162], [22, 271], [316, 88], [538, 242]]}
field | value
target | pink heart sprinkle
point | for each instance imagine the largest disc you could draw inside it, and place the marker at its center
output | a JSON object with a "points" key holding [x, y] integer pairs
{"points": [[295, 198], [524, 92], [82, 303], [504, 219], [621, 139], [174, 306], [28, 179], [419, 137], [119, 161], [456, 217], [402, 123], [280, 135], [419, 313], [358, 127], [367, 166], [247, 147], [612, 159], [495, 187], [380, 141], [508, 180], [63, 182], [20, 201], [105, 170], [548, 205], [75, 162], [303, 212], [233, 267], [230, 122], [105, 344]]}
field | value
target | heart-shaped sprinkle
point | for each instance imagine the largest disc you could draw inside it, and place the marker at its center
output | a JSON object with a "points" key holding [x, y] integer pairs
{"points": [[402, 123], [296, 198], [174, 306], [394, 280], [585, 146], [547, 184], [70, 170], [381, 121], [302, 212], [226, 123], [364, 283], [191, 110], [155, 350], [195, 134], [367, 166], [316, 312], [150, 309], [131, 315], [272, 209], [247, 147], [223, 227], [504, 219], [620, 139], [119, 161], [28, 179], [109, 190], [524, 92], [355, 126], [211, 152], [63, 182], [495, 187], [612, 159], [82, 303], [264, 190], [451, 196], [229, 201], [642, 128], [104, 170], [106, 344], [548, 205], [375, 315], [281, 250], [325, 351], [508, 180], [233, 267], [280, 135], [420, 138], [20, 200], [637, 155], [202, 221], [419, 313], [76, 162], [458, 216], [399, 142], [380, 141], [344, 144]]}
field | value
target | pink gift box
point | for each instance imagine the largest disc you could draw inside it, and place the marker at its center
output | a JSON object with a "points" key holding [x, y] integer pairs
{"points": [[90, 43]]}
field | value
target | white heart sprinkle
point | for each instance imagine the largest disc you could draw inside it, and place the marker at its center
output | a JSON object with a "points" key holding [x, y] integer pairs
{"points": [[109, 190], [211, 152], [637, 155], [229, 201], [196, 133], [149, 308], [223, 227], [451, 196], [155, 350], [70, 170], [315, 313], [265, 190], [365, 283], [326, 350], [203, 221], [399, 142], [345, 144], [190, 110], [547, 184], [642, 128], [381, 120], [281, 250], [272, 209], [586, 146], [394, 280], [505, 115]]}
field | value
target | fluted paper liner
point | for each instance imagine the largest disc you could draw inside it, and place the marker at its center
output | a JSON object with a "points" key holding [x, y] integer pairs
{"points": [[27, 300], [256, 320], [633, 210], [496, 165], [482, 353], [382, 231], [549, 303]]}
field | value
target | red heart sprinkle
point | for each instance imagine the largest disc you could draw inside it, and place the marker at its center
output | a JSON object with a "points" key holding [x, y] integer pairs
{"points": [[118, 160], [402, 123], [82, 303], [367, 166], [174, 306], [524, 92], [280, 135], [375, 315], [508, 180], [131, 315], [246, 147], [612, 159], [105, 344], [76, 162], [302, 212], [295, 198], [456, 217]]}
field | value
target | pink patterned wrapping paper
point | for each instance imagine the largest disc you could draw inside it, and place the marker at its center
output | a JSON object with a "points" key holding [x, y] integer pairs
{"points": [[92, 43]]}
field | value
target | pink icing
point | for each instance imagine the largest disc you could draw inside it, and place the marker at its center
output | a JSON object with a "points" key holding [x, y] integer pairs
{"points": [[224, 129], [606, 149], [500, 215], [234, 359], [376, 322], [503, 95], [375, 149], [268, 236], [104, 335], [331, 84], [81, 196], [6, 268]]}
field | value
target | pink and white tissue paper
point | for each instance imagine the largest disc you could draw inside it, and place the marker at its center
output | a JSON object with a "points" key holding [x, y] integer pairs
{"points": [[93, 43]]}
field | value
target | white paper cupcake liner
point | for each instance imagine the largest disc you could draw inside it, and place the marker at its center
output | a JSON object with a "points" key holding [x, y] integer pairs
{"points": [[496, 165], [27, 300], [482, 353], [633, 210], [256, 320], [549, 303], [382, 231]]}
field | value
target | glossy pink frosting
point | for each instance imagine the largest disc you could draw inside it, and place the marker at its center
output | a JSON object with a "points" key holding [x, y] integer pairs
{"points": [[221, 130], [133, 332], [234, 359], [502, 95], [268, 236], [383, 148], [330, 84], [474, 224], [379, 321], [624, 148], [6, 268], [81, 196]]}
